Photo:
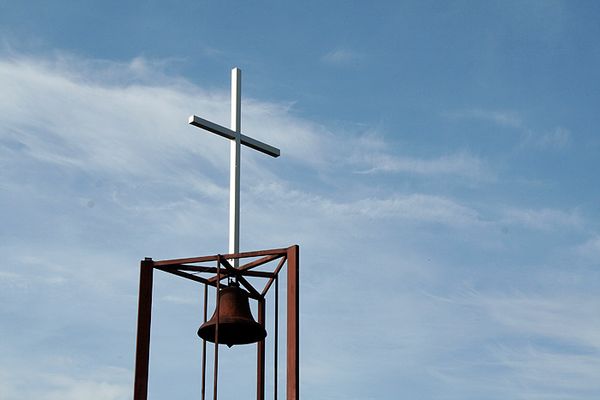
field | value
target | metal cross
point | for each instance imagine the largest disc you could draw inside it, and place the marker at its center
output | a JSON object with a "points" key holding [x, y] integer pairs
{"points": [[237, 139]]}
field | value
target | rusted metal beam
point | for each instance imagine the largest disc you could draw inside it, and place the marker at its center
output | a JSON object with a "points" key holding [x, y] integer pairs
{"points": [[253, 264], [177, 261], [186, 275], [258, 274], [253, 292], [260, 356], [142, 351], [204, 316], [293, 331], [275, 274], [248, 254], [260, 261], [218, 313], [195, 268], [276, 342], [194, 278], [256, 253], [201, 268]]}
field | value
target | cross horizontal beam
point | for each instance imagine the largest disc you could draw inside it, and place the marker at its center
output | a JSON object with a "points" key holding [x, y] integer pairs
{"points": [[229, 134]]}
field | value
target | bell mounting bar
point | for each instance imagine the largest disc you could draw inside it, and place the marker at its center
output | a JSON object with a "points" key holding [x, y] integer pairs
{"points": [[229, 134]]}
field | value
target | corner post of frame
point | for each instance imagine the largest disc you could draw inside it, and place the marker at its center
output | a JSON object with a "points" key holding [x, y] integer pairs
{"points": [[142, 352], [293, 323], [260, 359]]}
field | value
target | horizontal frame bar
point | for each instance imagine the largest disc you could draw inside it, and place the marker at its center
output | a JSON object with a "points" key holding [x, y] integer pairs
{"points": [[201, 268], [246, 267], [215, 257]]}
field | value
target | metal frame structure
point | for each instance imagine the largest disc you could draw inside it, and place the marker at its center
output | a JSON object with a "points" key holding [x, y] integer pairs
{"points": [[192, 268]]}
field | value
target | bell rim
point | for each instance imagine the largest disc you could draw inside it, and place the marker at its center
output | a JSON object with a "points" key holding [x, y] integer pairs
{"points": [[254, 332]]}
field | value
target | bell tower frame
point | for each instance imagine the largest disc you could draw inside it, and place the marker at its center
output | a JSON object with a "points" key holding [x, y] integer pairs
{"points": [[237, 265], [249, 263]]}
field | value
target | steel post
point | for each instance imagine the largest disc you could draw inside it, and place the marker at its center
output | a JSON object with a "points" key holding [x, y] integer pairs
{"points": [[260, 356], [142, 352], [293, 325]]}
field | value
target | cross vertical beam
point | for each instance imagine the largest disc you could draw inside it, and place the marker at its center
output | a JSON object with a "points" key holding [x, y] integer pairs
{"points": [[234, 170]]}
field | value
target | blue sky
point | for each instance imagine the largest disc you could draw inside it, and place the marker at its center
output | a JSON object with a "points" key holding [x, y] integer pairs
{"points": [[439, 171]]}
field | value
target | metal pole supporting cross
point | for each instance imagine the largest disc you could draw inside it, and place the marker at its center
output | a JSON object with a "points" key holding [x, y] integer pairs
{"points": [[237, 139]]}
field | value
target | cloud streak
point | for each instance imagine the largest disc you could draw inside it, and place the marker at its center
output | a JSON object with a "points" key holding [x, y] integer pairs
{"points": [[341, 57], [556, 139], [505, 118], [460, 164]]}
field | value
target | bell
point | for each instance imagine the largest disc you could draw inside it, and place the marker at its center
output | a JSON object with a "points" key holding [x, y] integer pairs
{"points": [[236, 324]]}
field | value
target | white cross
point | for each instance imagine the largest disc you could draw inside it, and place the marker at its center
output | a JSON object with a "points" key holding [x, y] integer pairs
{"points": [[237, 139]]}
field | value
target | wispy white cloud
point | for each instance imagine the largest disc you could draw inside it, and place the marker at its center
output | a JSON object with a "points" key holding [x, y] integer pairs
{"points": [[341, 57], [556, 139], [121, 130], [180, 299], [506, 118], [562, 353], [569, 318], [544, 218], [419, 207], [590, 249], [415, 207], [110, 123], [459, 164], [105, 384], [550, 374], [525, 346]]}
